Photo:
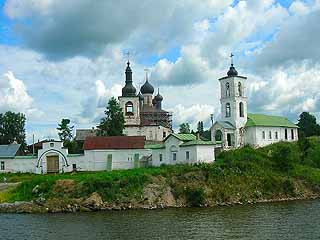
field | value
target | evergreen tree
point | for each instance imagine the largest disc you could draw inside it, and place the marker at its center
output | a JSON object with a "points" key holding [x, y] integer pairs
{"points": [[12, 128], [308, 124], [184, 128], [200, 128], [65, 131], [113, 123]]}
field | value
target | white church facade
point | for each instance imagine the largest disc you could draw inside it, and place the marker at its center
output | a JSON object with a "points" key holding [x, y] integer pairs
{"points": [[237, 127]]}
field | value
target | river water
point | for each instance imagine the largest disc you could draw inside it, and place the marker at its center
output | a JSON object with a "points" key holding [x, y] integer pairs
{"points": [[286, 220]]}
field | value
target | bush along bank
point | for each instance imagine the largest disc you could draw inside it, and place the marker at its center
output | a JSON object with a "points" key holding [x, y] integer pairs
{"points": [[281, 171]]}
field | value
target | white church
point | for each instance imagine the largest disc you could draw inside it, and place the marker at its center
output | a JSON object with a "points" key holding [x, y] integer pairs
{"points": [[237, 127], [143, 112]]}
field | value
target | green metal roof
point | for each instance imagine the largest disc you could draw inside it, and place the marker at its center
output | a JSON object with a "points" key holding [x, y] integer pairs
{"points": [[184, 136], [154, 146], [196, 142], [268, 121], [75, 155], [26, 157]]}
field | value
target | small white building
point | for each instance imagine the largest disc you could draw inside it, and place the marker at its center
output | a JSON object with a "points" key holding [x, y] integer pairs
{"points": [[237, 128], [182, 149]]}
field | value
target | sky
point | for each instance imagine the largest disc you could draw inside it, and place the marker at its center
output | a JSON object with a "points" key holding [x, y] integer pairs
{"points": [[65, 59]]}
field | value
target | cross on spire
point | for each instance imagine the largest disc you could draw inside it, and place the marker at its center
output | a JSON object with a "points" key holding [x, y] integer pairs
{"points": [[231, 56], [128, 55], [146, 71]]}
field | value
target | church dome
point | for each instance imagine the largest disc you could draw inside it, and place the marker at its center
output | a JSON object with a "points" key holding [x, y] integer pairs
{"points": [[147, 88], [158, 97], [232, 71], [128, 90]]}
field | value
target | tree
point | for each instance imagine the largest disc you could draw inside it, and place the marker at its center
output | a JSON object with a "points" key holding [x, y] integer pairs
{"points": [[65, 131], [113, 123], [12, 128], [184, 128], [308, 124], [73, 147], [200, 128]]}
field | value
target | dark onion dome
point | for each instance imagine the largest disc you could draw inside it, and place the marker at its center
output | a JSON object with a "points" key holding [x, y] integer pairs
{"points": [[140, 96], [128, 90], [232, 71], [158, 97], [147, 88]]}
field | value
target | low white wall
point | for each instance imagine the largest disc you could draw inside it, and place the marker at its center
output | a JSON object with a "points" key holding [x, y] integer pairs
{"points": [[205, 153], [19, 164]]}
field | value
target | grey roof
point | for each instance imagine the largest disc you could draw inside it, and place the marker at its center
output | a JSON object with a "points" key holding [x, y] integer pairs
{"points": [[225, 124], [9, 150], [81, 134], [147, 88]]}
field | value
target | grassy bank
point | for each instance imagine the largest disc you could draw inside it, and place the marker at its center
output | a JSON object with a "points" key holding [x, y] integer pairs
{"points": [[278, 171]]}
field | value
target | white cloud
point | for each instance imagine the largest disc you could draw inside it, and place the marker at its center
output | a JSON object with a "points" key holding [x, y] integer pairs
{"points": [[192, 114], [14, 97]]}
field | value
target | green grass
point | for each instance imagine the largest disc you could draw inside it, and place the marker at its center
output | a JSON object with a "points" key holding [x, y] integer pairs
{"points": [[243, 175]]}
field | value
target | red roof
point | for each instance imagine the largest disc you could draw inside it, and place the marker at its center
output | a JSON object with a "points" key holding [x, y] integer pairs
{"points": [[116, 142]]}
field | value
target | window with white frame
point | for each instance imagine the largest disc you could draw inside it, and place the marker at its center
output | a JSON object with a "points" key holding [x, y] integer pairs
{"points": [[276, 135], [187, 155], [228, 110], [227, 89], [292, 134], [160, 157], [263, 135], [286, 134], [2, 165], [174, 156], [270, 135]]}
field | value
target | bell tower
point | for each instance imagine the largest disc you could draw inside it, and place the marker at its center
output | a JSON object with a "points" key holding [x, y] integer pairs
{"points": [[233, 98], [129, 101]]}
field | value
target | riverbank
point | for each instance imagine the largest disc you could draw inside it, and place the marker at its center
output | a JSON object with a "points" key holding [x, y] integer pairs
{"points": [[243, 176]]}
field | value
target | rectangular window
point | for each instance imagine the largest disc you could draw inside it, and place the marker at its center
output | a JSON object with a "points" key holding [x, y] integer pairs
{"points": [[187, 155], [263, 135], [2, 165], [160, 157], [286, 134], [276, 135], [174, 156], [270, 135], [292, 134]]}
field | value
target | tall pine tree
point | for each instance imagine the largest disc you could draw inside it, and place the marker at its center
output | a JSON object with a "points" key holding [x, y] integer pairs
{"points": [[65, 131], [113, 123]]}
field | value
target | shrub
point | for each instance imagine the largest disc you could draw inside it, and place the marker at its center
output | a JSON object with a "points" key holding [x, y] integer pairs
{"points": [[284, 156], [195, 196], [313, 156]]}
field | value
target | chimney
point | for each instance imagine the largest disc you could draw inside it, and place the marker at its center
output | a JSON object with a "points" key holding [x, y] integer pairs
{"points": [[198, 136]]}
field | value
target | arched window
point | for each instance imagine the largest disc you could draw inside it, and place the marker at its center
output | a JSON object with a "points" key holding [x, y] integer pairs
{"points": [[241, 109], [218, 136], [227, 89], [240, 89], [228, 110], [129, 108]]}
